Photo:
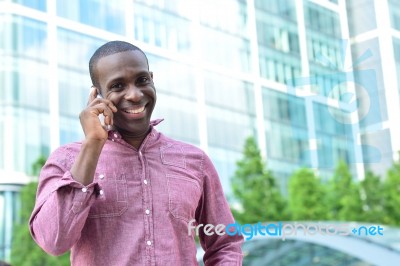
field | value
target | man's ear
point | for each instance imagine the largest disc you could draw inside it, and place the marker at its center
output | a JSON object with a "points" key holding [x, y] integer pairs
{"points": [[98, 91], [151, 74]]}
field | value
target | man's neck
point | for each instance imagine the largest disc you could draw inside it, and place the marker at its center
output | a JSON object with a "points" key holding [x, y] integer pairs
{"points": [[135, 140]]}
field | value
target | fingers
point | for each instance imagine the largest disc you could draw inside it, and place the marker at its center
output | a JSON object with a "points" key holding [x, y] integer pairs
{"points": [[93, 100], [92, 95], [100, 108], [104, 109]]}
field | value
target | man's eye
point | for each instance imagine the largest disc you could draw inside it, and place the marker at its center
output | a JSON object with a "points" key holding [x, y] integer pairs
{"points": [[117, 86], [143, 80]]}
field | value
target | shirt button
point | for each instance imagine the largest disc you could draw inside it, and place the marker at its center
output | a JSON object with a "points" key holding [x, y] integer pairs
{"points": [[84, 190], [101, 176], [147, 211], [148, 243], [115, 135], [101, 192], [145, 181], [112, 139]]}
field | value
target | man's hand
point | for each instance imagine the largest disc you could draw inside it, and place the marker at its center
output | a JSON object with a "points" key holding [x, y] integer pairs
{"points": [[96, 134], [89, 117]]}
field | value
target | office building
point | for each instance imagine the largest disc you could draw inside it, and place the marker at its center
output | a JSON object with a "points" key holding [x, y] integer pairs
{"points": [[375, 42]]}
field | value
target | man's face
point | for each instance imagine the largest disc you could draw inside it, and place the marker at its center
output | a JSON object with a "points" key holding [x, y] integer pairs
{"points": [[125, 80]]}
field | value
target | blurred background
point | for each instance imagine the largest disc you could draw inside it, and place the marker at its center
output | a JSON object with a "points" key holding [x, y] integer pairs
{"points": [[297, 103]]}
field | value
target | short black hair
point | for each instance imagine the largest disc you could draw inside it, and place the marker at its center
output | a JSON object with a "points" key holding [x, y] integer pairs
{"points": [[106, 49]]}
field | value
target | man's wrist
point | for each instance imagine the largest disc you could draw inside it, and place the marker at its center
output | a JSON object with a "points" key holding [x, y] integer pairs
{"points": [[93, 142]]}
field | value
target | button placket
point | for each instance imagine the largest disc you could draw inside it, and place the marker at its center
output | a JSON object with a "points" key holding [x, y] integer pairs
{"points": [[146, 202]]}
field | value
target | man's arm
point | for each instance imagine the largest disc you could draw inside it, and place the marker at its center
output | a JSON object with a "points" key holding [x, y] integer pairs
{"points": [[66, 189], [62, 204], [214, 209], [95, 136]]}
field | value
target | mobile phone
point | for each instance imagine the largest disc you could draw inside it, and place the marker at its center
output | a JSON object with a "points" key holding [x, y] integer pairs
{"points": [[101, 116]]}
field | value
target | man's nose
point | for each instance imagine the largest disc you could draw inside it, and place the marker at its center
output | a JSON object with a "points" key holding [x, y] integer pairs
{"points": [[134, 94]]}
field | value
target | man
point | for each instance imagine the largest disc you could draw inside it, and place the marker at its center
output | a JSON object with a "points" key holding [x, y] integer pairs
{"points": [[126, 193]]}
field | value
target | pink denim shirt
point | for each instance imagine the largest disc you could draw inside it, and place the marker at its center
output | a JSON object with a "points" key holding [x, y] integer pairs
{"points": [[137, 209]]}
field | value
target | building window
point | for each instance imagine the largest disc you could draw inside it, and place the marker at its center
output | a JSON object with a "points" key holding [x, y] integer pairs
{"points": [[111, 13], [162, 29], [37, 4], [322, 20], [9, 214]]}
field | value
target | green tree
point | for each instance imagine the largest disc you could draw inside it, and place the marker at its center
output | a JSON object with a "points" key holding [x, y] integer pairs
{"points": [[391, 194], [255, 189], [37, 165], [344, 199], [306, 196], [372, 200], [25, 252]]}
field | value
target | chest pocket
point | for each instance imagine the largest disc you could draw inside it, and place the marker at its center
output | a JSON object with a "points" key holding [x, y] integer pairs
{"points": [[184, 195], [114, 200], [184, 192]]}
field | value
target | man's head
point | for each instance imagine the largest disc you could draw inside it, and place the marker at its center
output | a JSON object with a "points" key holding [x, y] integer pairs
{"points": [[120, 72], [106, 49]]}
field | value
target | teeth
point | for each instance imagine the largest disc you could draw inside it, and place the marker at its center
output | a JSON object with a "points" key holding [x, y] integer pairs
{"points": [[135, 111]]}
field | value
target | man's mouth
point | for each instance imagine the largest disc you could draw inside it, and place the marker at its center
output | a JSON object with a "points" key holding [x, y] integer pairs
{"points": [[137, 110]]}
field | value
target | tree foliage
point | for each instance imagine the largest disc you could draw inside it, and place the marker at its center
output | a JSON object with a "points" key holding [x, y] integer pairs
{"points": [[391, 193], [25, 252], [344, 198], [255, 189], [306, 196], [372, 198], [341, 198], [38, 164]]}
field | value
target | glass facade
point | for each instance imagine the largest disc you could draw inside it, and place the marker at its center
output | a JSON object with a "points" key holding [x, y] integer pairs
{"points": [[324, 45], [36, 4], [361, 16], [106, 15], [162, 28], [396, 50], [284, 113], [9, 206], [170, 28], [73, 80], [278, 41], [394, 14], [286, 119], [24, 92]]}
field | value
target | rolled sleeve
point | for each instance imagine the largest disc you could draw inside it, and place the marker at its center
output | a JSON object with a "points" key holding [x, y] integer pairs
{"points": [[81, 196], [62, 206]]}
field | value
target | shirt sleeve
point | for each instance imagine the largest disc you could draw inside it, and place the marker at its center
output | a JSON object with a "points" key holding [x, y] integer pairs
{"points": [[62, 205], [214, 209]]}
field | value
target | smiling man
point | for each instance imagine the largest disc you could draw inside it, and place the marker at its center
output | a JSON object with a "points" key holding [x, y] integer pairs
{"points": [[125, 194]]}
